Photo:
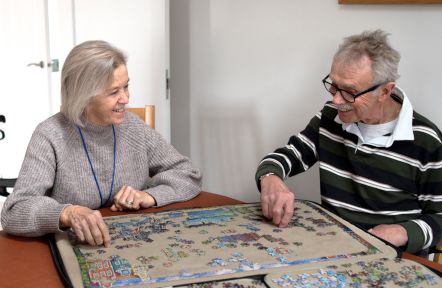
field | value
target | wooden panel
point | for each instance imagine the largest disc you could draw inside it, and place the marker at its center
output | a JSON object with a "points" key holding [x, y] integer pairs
{"points": [[147, 114]]}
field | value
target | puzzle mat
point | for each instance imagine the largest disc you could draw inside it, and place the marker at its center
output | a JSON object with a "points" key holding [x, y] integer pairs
{"points": [[231, 283], [374, 273], [382, 272], [196, 245]]}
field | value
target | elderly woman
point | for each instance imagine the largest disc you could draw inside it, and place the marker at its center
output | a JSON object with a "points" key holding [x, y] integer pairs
{"points": [[93, 154]]}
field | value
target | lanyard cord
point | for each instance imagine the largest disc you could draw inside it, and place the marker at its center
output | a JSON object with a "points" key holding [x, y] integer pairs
{"points": [[92, 167]]}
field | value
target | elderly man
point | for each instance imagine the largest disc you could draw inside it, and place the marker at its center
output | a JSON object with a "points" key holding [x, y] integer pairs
{"points": [[380, 162]]}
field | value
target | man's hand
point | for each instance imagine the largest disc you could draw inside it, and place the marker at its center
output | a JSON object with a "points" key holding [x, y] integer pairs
{"points": [[392, 233], [129, 198], [87, 224], [277, 202]]}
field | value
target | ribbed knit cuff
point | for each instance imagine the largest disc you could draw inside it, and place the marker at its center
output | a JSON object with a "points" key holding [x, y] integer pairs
{"points": [[265, 169], [49, 221], [415, 237]]}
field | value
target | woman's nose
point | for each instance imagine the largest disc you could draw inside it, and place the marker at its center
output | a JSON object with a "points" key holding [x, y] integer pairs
{"points": [[124, 96]]}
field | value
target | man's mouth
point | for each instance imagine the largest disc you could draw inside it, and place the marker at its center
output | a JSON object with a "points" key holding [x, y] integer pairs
{"points": [[119, 110], [344, 108]]}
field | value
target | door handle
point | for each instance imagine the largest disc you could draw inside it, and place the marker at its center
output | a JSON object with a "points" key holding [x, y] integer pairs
{"points": [[40, 64]]}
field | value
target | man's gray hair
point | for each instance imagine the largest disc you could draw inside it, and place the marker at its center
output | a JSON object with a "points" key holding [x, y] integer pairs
{"points": [[87, 71], [374, 45]]}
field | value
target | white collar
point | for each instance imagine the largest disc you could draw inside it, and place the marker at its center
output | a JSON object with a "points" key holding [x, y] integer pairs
{"points": [[402, 131]]}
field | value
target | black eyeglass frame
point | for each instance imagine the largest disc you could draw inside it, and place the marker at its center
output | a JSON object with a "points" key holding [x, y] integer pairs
{"points": [[324, 81]]}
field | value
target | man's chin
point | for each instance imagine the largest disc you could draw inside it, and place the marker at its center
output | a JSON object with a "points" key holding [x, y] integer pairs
{"points": [[344, 116]]}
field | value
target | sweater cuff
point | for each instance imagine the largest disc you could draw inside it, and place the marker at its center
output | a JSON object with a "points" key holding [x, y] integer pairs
{"points": [[263, 170], [164, 194], [415, 237]]}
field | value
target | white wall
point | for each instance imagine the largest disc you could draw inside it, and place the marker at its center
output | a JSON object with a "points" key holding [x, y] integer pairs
{"points": [[139, 28], [253, 74]]}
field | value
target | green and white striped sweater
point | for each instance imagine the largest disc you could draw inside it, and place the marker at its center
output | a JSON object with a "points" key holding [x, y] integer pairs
{"points": [[370, 185]]}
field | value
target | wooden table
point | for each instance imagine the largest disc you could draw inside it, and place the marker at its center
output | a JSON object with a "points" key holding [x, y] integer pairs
{"points": [[27, 262]]}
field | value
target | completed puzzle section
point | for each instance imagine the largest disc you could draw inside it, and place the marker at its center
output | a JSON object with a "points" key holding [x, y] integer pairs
{"points": [[195, 245]]}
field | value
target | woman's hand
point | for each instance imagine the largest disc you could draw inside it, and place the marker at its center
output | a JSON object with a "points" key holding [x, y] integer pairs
{"points": [[88, 225], [129, 198]]}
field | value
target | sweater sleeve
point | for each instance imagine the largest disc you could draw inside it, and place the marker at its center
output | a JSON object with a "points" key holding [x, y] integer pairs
{"points": [[29, 210], [297, 156], [174, 179]]}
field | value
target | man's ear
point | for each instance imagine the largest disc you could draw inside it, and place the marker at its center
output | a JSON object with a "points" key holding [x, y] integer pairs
{"points": [[386, 90]]}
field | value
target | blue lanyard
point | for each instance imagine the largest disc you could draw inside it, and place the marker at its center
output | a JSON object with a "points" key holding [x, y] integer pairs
{"points": [[92, 167]]}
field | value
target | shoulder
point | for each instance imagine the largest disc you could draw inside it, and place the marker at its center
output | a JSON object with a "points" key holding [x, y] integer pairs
{"points": [[134, 124], [424, 128], [53, 125], [136, 131]]}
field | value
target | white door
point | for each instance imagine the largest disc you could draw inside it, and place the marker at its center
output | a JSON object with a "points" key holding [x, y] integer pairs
{"points": [[35, 31], [24, 98], [139, 28]]}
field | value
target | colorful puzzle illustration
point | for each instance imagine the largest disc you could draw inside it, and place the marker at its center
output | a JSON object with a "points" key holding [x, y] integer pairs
{"points": [[382, 272], [196, 245]]}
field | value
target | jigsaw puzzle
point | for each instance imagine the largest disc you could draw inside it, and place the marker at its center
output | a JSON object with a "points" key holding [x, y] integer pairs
{"points": [[196, 245]]}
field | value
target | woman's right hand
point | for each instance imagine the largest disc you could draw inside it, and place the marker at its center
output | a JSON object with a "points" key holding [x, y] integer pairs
{"points": [[88, 225]]}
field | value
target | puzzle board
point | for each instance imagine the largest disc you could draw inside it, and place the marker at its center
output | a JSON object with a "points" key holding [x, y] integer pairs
{"points": [[195, 245], [382, 272]]}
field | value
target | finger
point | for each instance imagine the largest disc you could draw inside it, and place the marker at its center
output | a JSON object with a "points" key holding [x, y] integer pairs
{"points": [[78, 231], [288, 214], [87, 233], [265, 208], [276, 215], [126, 200], [116, 207], [117, 196], [99, 229], [104, 232]]}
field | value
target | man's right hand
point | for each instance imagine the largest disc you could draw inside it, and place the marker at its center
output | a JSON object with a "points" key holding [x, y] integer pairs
{"points": [[277, 202], [87, 224]]}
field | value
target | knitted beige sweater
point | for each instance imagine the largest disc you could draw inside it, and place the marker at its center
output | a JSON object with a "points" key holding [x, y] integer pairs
{"points": [[56, 171]]}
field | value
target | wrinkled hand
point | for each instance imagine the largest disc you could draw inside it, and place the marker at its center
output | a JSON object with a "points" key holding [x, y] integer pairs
{"points": [[277, 202], [129, 198], [88, 225], [393, 233]]}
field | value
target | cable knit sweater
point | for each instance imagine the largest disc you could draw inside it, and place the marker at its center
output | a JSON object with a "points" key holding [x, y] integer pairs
{"points": [[56, 172]]}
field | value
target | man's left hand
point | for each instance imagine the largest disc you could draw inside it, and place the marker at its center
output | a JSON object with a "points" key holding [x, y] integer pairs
{"points": [[392, 233]]}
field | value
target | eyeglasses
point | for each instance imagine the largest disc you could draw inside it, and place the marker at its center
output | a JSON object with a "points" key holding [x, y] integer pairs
{"points": [[349, 97]]}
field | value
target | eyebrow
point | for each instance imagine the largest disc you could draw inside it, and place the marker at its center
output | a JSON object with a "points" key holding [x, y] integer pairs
{"points": [[346, 88]]}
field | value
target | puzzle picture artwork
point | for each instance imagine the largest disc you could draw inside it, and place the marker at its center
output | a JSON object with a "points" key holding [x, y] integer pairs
{"points": [[382, 272], [196, 245]]}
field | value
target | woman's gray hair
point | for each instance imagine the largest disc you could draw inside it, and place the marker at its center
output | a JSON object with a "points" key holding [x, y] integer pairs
{"points": [[374, 45], [87, 71]]}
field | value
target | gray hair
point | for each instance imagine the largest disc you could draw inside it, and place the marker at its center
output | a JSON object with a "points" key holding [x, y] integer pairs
{"points": [[87, 71], [374, 45]]}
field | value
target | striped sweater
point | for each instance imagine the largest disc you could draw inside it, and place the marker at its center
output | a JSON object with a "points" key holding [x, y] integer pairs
{"points": [[369, 185]]}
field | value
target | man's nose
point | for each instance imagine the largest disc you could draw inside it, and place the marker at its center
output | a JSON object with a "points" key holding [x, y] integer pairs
{"points": [[337, 98]]}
